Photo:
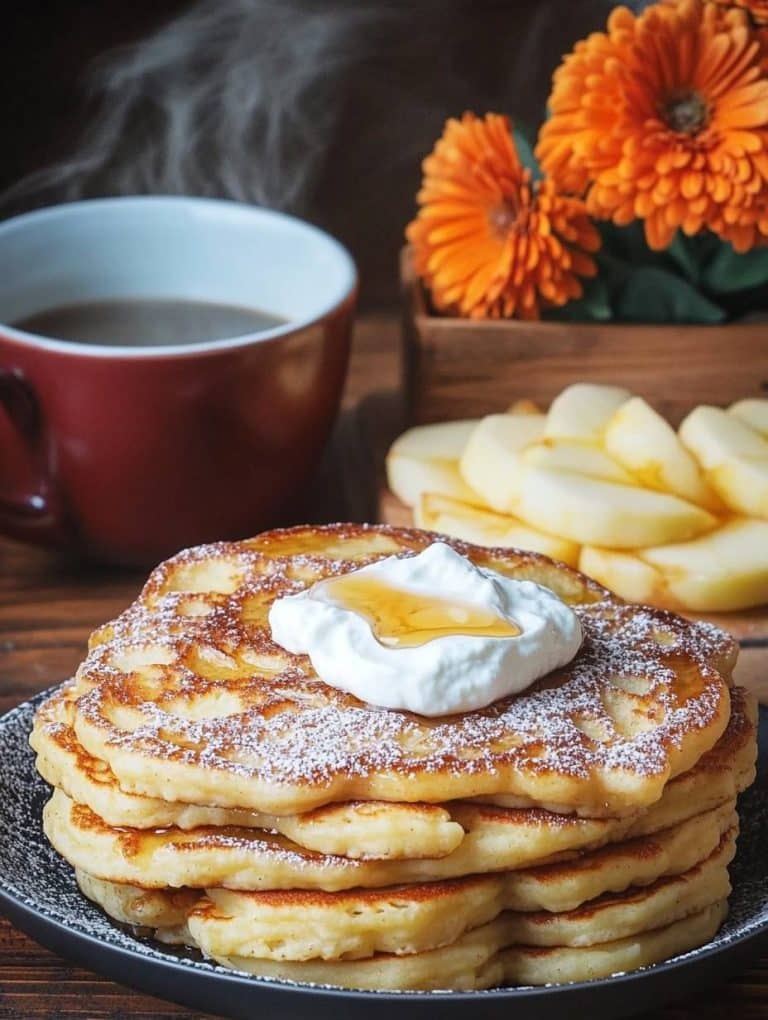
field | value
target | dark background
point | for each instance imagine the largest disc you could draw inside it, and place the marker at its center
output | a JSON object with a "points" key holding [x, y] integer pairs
{"points": [[436, 59], [46, 50]]}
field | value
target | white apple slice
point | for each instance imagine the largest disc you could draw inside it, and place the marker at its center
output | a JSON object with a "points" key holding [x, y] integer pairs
{"points": [[581, 411], [714, 436], [734, 458], [408, 478], [726, 569], [753, 412], [524, 405], [426, 459], [490, 463], [722, 571], [583, 458], [647, 445], [445, 440], [484, 527], [591, 511], [743, 485], [625, 573]]}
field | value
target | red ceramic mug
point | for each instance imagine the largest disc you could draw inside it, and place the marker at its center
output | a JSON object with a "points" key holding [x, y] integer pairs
{"points": [[127, 453]]}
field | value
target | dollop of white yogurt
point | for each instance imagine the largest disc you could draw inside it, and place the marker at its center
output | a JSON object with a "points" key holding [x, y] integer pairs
{"points": [[444, 675]]}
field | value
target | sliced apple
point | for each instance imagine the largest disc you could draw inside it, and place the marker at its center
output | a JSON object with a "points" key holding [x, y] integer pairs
{"points": [[734, 458], [445, 440], [426, 459], [484, 527], [408, 478], [583, 458], [752, 412], [524, 405], [714, 436], [743, 485], [724, 570], [625, 573], [490, 463], [647, 445], [581, 411], [591, 511]]}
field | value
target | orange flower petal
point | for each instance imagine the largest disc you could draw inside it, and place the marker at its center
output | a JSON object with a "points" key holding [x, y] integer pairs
{"points": [[487, 241], [664, 118]]}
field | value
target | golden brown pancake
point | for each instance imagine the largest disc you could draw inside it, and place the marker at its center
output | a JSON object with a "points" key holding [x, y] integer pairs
{"points": [[494, 838], [187, 698], [209, 787], [299, 924]]}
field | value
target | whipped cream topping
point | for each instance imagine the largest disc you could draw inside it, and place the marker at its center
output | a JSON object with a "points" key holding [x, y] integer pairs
{"points": [[496, 636]]}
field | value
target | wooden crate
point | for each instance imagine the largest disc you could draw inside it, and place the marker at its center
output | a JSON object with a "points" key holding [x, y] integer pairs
{"points": [[459, 368]]}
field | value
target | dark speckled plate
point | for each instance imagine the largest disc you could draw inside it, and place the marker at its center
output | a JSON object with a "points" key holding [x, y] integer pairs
{"points": [[39, 894]]}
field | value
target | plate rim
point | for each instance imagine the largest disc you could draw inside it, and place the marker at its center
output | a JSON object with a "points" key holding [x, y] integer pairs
{"points": [[15, 904], [244, 980]]}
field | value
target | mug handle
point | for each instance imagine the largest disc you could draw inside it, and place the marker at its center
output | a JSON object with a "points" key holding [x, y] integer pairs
{"points": [[30, 516]]}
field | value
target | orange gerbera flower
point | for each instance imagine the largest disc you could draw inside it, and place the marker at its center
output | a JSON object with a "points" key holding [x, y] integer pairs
{"points": [[487, 241], [757, 8], [665, 118]]}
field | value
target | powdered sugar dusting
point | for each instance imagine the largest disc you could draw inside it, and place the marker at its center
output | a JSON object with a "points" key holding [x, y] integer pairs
{"points": [[40, 886], [206, 687]]}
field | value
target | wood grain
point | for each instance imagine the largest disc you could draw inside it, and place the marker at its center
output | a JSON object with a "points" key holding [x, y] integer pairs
{"points": [[49, 605], [457, 368]]}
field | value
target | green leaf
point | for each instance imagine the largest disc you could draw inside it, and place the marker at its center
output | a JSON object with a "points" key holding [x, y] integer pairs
{"points": [[729, 271], [655, 295], [685, 256], [614, 271], [593, 305], [525, 152], [628, 243], [684, 253]]}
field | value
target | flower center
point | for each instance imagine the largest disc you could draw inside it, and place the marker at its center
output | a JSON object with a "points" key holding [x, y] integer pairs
{"points": [[686, 112], [502, 217]]}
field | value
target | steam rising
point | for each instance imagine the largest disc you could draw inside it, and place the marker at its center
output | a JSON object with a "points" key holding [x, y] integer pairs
{"points": [[323, 108], [235, 98]]}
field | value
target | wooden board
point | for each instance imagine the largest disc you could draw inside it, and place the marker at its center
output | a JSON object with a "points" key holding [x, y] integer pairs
{"points": [[750, 627]]}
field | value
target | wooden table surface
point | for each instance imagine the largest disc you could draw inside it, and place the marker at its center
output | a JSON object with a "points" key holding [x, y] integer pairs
{"points": [[48, 606]]}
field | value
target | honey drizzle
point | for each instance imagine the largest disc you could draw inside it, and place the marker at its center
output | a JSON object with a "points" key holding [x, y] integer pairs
{"points": [[405, 619]]}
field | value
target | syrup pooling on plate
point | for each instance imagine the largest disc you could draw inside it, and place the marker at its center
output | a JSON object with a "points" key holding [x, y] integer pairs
{"points": [[404, 619]]}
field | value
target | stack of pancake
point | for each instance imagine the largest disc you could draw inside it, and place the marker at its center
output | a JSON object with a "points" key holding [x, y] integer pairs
{"points": [[209, 787]]}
